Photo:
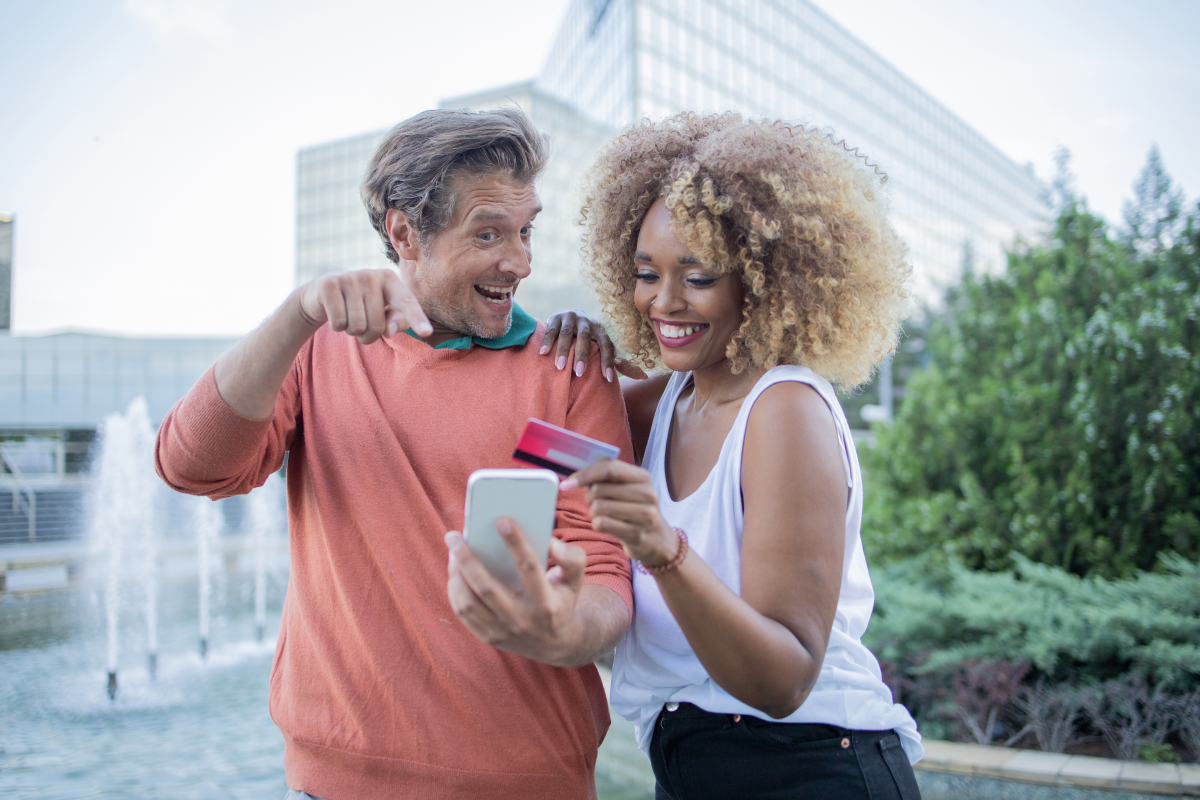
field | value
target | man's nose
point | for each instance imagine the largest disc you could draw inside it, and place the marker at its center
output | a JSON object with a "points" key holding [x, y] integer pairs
{"points": [[516, 260]]}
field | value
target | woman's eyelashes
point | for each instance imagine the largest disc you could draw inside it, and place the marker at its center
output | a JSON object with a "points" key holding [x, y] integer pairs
{"points": [[696, 282]]}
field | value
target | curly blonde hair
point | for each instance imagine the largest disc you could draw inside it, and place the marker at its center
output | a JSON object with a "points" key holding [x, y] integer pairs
{"points": [[795, 213]]}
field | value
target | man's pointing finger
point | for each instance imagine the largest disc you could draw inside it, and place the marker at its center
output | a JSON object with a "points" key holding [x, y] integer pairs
{"points": [[400, 298]]}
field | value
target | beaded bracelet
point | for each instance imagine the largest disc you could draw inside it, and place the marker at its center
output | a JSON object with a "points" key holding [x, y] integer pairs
{"points": [[659, 569]]}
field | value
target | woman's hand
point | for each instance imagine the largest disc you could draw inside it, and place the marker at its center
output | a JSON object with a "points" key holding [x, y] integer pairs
{"points": [[566, 326], [623, 504]]}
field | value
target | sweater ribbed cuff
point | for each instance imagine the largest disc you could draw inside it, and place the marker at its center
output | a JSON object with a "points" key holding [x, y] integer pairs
{"points": [[621, 586]]}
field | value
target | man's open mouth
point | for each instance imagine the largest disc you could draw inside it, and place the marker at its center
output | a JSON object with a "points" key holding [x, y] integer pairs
{"points": [[498, 295]]}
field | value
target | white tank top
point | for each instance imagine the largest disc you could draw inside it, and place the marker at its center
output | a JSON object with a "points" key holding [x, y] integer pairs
{"points": [[655, 664]]}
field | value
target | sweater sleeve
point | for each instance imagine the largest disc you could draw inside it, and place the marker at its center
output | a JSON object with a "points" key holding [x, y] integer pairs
{"points": [[204, 447], [597, 410]]}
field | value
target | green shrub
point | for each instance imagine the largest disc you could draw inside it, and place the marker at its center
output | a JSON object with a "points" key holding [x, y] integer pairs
{"points": [[1075, 630], [1059, 418], [1113, 658]]}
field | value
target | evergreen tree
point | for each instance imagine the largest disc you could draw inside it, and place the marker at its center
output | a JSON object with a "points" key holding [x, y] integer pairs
{"points": [[1155, 217], [1060, 415]]}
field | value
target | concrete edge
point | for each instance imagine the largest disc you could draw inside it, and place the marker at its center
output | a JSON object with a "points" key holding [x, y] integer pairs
{"points": [[1058, 769]]}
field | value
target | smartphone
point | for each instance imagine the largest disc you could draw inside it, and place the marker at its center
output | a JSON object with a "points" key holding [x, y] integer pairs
{"points": [[564, 451], [529, 496]]}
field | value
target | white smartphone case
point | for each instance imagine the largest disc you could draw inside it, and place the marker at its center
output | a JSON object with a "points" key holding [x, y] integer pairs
{"points": [[529, 496]]}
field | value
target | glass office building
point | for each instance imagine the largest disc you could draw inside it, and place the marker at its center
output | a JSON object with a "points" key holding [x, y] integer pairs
{"points": [[74, 380], [6, 250], [951, 191], [55, 392], [333, 232], [616, 61]]}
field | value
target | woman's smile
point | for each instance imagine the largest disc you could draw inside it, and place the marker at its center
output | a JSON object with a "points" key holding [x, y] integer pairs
{"points": [[678, 334]]}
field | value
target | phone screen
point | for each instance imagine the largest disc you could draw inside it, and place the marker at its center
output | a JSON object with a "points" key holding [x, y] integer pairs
{"points": [[529, 497]]}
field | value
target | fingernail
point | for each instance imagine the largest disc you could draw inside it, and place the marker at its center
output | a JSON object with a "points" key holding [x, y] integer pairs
{"points": [[579, 367], [453, 539], [568, 485], [557, 547], [393, 328], [545, 349], [608, 374], [562, 362], [504, 527]]}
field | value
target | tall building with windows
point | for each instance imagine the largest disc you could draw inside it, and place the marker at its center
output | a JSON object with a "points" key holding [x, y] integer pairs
{"points": [[617, 61], [333, 233], [6, 253], [952, 192]]}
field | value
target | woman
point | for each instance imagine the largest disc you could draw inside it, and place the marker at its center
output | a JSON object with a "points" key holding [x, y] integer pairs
{"points": [[753, 261]]}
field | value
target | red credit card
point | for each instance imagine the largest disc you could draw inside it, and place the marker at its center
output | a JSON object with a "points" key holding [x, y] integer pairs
{"points": [[564, 451]]}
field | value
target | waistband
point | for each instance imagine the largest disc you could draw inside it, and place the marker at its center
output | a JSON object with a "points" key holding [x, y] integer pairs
{"points": [[817, 730]]}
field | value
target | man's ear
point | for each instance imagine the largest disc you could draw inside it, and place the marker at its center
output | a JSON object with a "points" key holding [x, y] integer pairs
{"points": [[402, 235]]}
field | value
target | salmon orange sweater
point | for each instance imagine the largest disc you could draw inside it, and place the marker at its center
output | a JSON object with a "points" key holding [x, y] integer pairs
{"points": [[379, 689]]}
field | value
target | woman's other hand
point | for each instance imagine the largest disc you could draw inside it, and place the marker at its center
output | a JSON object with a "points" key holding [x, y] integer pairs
{"points": [[623, 504], [565, 326]]}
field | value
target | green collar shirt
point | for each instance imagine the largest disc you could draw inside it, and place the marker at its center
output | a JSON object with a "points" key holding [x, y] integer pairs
{"points": [[518, 334]]}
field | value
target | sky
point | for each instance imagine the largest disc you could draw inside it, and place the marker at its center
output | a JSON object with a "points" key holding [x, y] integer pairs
{"points": [[147, 147]]}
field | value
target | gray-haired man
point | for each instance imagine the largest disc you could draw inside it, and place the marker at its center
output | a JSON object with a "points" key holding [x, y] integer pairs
{"points": [[389, 680]]}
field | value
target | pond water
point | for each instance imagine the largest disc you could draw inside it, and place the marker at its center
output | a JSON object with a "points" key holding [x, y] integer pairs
{"points": [[198, 729]]}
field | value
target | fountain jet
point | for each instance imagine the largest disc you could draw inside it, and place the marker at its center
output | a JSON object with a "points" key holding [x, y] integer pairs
{"points": [[266, 519], [208, 522], [122, 503]]}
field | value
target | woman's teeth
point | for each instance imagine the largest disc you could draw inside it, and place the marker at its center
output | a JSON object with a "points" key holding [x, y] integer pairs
{"points": [[678, 331], [495, 294]]}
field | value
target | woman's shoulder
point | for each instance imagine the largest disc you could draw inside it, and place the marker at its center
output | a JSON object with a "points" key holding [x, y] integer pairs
{"points": [[791, 415]]}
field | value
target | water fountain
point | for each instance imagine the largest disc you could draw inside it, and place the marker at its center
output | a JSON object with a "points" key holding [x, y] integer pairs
{"points": [[155, 568], [207, 523], [124, 489], [266, 519]]}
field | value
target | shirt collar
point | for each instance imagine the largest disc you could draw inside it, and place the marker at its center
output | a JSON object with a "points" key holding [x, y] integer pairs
{"points": [[518, 334]]}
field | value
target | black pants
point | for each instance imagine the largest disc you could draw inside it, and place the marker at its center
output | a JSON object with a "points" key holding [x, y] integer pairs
{"points": [[696, 755]]}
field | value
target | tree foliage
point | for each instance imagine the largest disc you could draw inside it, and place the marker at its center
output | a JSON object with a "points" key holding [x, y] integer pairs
{"points": [[1059, 418]]}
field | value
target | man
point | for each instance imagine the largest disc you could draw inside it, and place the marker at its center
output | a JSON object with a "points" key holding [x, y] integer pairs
{"points": [[387, 390]]}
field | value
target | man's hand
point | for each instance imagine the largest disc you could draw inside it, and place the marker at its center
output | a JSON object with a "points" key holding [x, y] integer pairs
{"points": [[541, 621], [366, 304]]}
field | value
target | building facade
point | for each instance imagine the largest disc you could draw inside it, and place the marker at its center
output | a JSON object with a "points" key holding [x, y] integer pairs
{"points": [[6, 254], [333, 232], [55, 393], [951, 191]]}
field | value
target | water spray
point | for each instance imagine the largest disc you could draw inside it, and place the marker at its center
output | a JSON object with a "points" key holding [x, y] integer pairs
{"points": [[208, 522], [266, 517]]}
